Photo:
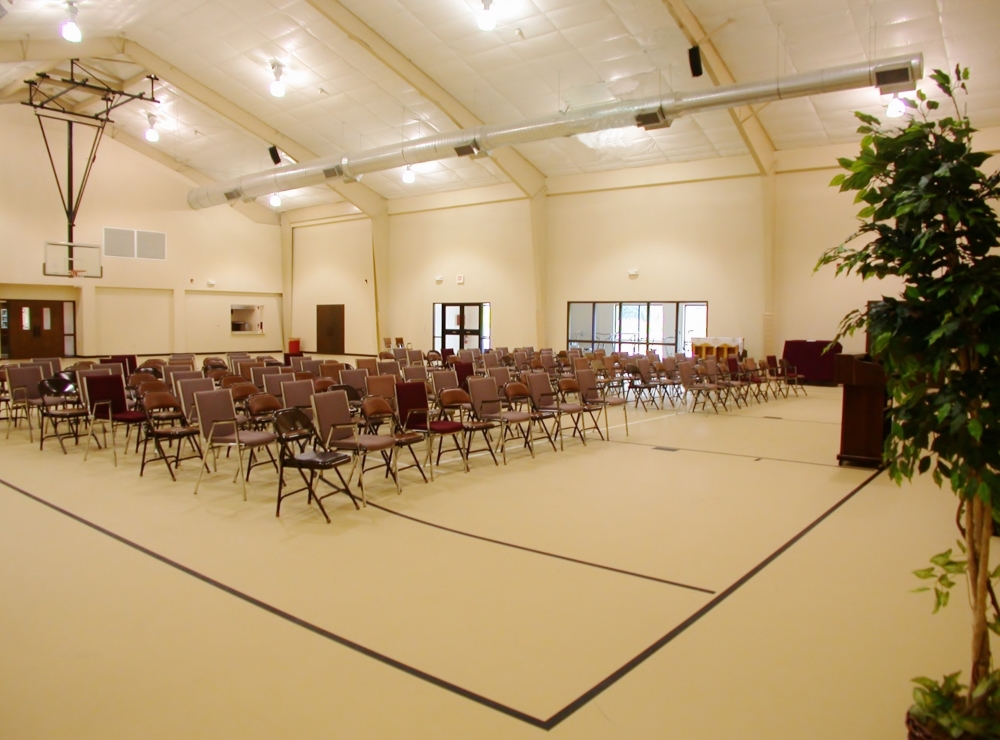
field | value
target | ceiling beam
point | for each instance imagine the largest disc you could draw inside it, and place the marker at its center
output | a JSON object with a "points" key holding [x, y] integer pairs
{"points": [[18, 88], [521, 172], [752, 132], [370, 202], [25, 50], [254, 211]]}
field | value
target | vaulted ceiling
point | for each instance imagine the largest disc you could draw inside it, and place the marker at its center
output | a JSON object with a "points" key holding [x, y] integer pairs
{"points": [[366, 73]]}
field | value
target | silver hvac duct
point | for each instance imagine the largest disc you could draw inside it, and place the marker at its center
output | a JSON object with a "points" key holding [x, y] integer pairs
{"points": [[889, 75]]}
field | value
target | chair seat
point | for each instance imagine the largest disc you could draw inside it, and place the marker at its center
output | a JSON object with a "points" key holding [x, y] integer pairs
{"points": [[174, 432], [247, 439], [129, 417], [66, 413], [446, 427], [317, 459], [478, 426], [364, 443], [515, 417], [571, 408], [407, 438]]}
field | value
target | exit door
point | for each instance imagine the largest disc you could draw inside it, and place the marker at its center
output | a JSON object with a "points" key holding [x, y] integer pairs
{"points": [[461, 326], [40, 329]]}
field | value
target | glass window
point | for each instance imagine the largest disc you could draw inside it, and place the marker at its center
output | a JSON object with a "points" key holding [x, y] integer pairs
{"points": [[635, 327], [46, 318], [581, 321], [25, 318]]}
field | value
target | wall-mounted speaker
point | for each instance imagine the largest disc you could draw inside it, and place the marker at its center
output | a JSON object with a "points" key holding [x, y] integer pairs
{"points": [[275, 157], [694, 61]]}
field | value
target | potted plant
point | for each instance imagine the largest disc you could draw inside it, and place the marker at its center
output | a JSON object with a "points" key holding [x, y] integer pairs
{"points": [[928, 219]]}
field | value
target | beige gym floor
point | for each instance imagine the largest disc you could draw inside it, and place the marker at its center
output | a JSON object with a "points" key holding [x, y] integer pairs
{"points": [[708, 576]]}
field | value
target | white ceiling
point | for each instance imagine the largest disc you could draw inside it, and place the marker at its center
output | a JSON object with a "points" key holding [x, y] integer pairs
{"points": [[544, 56]]}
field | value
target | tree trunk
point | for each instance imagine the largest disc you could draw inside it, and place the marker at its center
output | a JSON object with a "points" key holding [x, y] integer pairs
{"points": [[979, 529]]}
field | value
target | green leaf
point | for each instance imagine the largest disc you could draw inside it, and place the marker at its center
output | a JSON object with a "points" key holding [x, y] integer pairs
{"points": [[975, 428], [924, 573]]}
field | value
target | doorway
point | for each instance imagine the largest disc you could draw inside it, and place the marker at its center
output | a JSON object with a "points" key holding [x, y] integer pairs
{"points": [[37, 329], [461, 326]]}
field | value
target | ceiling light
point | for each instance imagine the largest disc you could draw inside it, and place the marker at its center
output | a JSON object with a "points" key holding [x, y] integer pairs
{"points": [[274, 200], [152, 135], [69, 30], [895, 108], [409, 176], [486, 20], [277, 87]]}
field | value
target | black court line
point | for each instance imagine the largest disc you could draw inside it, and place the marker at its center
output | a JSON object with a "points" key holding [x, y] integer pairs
{"points": [[547, 724], [727, 454], [511, 545], [594, 692]]}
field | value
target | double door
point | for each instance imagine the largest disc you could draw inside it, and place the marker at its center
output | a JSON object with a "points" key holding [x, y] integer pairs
{"points": [[461, 326], [37, 329]]}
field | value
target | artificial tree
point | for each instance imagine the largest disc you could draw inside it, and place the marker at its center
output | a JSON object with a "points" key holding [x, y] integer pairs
{"points": [[928, 220]]}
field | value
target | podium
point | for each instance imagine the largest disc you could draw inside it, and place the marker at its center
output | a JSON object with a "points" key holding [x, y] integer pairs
{"points": [[863, 418]]}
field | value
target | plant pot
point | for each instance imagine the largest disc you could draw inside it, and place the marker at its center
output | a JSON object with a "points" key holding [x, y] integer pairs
{"points": [[919, 731]]}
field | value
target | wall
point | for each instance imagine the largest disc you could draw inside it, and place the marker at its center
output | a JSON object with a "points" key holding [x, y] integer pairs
{"points": [[332, 263], [812, 217], [207, 317], [127, 190], [489, 244], [691, 241]]}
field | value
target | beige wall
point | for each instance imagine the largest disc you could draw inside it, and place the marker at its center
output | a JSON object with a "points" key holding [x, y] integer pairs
{"points": [[207, 317], [126, 190], [694, 241], [811, 218], [332, 263], [489, 244], [133, 321]]}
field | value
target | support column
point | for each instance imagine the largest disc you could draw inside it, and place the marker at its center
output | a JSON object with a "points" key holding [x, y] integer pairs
{"points": [[86, 320], [287, 265], [180, 321], [380, 259], [768, 186], [540, 254]]}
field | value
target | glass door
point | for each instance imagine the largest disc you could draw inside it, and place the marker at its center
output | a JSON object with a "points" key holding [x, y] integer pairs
{"points": [[461, 326]]}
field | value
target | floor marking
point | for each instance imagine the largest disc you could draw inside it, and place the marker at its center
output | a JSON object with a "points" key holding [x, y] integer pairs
{"points": [[728, 454], [547, 724], [542, 552], [667, 449]]}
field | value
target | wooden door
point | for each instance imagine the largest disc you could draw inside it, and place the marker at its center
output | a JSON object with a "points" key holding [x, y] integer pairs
{"points": [[35, 329], [330, 329]]}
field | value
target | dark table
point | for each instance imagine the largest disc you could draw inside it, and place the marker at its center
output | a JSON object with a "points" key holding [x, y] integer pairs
{"points": [[808, 358]]}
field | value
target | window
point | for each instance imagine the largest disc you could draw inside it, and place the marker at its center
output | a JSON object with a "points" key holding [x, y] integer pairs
{"points": [[462, 326], [664, 327]]}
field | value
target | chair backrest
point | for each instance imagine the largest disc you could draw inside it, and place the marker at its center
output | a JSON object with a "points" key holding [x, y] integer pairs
{"points": [[453, 398], [115, 367], [443, 380], [55, 364], [500, 374], [242, 391], [244, 367], [381, 385], [216, 413], [399, 354], [465, 355], [231, 380], [331, 370], [354, 378], [169, 370], [297, 394], [273, 383], [150, 386], [484, 395], [415, 372], [332, 414], [376, 407], [520, 359], [734, 364], [367, 363], [542, 396], [311, 366], [353, 394], [587, 382], [388, 367], [414, 356], [104, 395], [501, 351], [186, 390], [263, 404], [400, 342], [516, 391], [411, 404], [292, 425], [257, 373], [642, 365], [184, 375], [322, 385], [490, 359], [56, 389], [580, 363], [24, 382], [463, 370], [687, 374], [160, 401], [296, 362]]}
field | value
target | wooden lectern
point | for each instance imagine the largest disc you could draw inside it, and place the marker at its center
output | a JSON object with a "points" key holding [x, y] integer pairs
{"points": [[863, 419]]}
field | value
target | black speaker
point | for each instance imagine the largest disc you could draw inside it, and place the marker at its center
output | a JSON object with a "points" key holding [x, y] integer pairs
{"points": [[694, 61], [276, 158]]}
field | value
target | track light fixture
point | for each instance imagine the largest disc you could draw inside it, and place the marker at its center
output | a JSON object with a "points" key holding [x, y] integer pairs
{"points": [[277, 87], [69, 30], [152, 135], [409, 176], [487, 20], [895, 108]]}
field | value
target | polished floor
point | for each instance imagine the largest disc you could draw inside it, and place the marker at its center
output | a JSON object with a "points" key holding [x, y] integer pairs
{"points": [[705, 577]]}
